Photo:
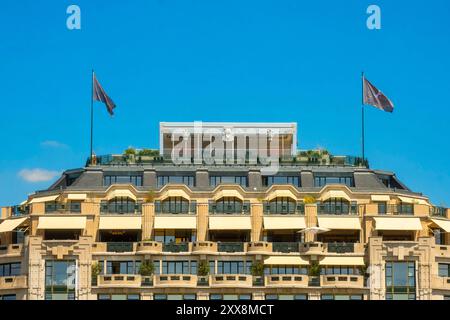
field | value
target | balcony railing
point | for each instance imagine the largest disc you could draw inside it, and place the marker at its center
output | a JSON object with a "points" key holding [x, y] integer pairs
{"points": [[341, 247], [119, 247], [20, 211], [176, 247], [400, 209], [324, 209], [438, 212], [230, 247], [285, 247]]}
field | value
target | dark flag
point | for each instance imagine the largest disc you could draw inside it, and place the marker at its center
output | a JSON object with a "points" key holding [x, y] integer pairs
{"points": [[100, 95], [374, 97]]}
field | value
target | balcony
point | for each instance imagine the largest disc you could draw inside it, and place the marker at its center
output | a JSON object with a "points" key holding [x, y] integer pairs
{"points": [[152, 247], [441, 251], [285, 247], [286, 280], [119, 280], [326, 209], [175, 247], [342, 281], [175, 280], [312, 248], [340, 247], [260, 247], [13, 282], [230, 247], [440, 283], [231, 280], [11, 250], [202, 281], [400, 209], [204, 247], [438, 212]]}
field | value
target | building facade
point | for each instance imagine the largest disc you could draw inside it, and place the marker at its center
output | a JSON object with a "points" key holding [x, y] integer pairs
{"points": [[138, 226]]}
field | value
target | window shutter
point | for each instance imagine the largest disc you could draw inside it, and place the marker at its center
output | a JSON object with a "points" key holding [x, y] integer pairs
{"points": [[193, 208]]}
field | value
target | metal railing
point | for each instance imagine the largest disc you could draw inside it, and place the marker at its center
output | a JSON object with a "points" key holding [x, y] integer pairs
{"points": [[176, 247], [119, 246], [438, 211], [230, 247], [341, 247], [285, 247]]}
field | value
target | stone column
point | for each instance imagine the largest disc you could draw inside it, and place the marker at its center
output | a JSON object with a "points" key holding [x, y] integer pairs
{"points": [[148, 213], [202, 220], [257, 221], [310, 220]]}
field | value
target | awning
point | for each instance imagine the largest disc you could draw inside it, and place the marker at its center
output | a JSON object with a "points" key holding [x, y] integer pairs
{"points": [[175, 222], [120, 223], [413, 200], [379, 197], [284, 223], [230, 223], [64, 223], [342, 261], [443, 224], [335, 194], [23, 202], [281, 194], [391, 223], [77, 196], [228, 193], [10, 224], [120, 193], [285, 260], [44, 199], [340, 223]]}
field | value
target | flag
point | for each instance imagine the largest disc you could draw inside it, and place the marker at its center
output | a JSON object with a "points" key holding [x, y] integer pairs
{"points": [[374, 97], [100, 95]]}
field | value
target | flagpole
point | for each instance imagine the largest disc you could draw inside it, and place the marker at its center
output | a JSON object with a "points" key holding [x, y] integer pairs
{"points": [[92, 116], [362, 117]]}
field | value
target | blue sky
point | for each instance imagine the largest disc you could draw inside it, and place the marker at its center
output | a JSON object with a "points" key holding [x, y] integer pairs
{"points": [[185, 60]]}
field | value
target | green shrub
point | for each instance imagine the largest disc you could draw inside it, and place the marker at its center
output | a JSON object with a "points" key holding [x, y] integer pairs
{"points": [[147, 268]]}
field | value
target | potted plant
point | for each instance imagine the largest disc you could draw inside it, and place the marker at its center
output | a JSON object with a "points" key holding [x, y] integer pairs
{"points": [[146, 270], [203, 272], [150, 197], [257, 271], [314, 273], [95, 271], [309, 200]]}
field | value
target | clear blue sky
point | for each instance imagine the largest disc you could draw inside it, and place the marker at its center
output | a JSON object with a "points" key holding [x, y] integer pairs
{"points": [[185, 60]]}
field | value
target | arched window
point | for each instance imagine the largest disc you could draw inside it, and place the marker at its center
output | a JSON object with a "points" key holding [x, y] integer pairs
{"points": [[283, 205], [175, 205], [229, 205], [120, 205], [337, 206]]}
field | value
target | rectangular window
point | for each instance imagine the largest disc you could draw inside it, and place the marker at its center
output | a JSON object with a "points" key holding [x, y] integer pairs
{"points": [[320, 181], [186, 180], [60, 279], [134, 179], [400, 280], [10, 269], [7, 297], [271, 180], [179, 267], [233, 267], [444, 270], [216, 180]]}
